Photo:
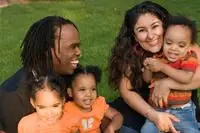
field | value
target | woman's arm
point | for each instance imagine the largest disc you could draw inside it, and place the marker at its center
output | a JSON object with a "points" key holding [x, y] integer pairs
{"points": [[147, 75], [132, 98], [162, 87], [162, 120]]}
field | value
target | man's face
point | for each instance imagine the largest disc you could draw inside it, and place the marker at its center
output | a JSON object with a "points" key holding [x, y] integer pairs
{"points": [[66, 55]]}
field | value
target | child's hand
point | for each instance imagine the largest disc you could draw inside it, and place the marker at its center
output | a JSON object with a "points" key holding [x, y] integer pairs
{"points": [[146, 63], [76, 131], [109, 129], [154, 65]]}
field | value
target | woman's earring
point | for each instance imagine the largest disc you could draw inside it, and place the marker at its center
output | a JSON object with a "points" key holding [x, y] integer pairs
{"points": [[138, 50]]}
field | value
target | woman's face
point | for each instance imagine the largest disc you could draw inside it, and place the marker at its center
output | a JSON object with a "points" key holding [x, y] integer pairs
{"points": [[149, 32]]}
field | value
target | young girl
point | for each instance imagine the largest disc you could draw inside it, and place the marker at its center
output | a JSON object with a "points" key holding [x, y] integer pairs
{"points": [[87, 109], [178, 62], [48, 98]]}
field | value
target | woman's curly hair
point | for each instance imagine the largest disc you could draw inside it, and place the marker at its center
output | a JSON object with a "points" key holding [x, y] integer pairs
{"points": [[127, 55]]}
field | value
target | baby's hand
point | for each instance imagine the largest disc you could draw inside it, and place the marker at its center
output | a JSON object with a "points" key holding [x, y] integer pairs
{"points": [[146, 63], [109, 129], [154, 65], [77, 131]]}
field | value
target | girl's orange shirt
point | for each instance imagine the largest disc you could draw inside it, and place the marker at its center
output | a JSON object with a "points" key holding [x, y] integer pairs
{"points": [[32, 124]]}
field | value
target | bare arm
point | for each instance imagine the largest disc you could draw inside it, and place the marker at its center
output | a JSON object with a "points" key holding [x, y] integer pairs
{"points": [[196, 77], [188, 86], [177, 74], [147, 75], [163, 86], [156, 65], [116, 120], [162, 120], [195, 83], [132, 98]]}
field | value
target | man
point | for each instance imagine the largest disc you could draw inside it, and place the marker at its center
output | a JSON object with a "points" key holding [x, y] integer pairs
{"points": [[50, 45], [3, 3]]}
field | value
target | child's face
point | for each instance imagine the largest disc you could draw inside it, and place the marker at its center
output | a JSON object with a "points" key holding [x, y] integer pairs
{"points": [[48, 105], [176, 42], [83, 91]]}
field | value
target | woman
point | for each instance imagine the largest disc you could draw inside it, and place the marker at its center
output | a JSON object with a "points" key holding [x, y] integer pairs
{"points": [[141, 36]]}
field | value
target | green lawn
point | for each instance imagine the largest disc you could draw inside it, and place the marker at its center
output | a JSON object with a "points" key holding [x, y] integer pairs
{"points": [[98, 21]]}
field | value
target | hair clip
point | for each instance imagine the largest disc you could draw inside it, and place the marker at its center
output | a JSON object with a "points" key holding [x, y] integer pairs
{"points": [[35, 75]]}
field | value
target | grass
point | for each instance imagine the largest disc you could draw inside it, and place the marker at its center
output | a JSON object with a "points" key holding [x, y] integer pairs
{"points": [[98, 21]]}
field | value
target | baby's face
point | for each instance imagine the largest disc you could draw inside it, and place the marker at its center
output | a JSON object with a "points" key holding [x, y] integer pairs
{"points": [[84, 91], [177, 42]]}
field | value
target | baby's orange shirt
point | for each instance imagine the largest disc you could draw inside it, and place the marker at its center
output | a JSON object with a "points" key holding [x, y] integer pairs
{"points": [[86, 121]]}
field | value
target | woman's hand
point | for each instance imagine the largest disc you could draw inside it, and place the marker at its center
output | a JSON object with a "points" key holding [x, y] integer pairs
{"points": [[163, 121], [160, 92]]}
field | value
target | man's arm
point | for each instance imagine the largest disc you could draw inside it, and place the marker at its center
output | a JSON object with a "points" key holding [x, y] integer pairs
{"points": [[12, 110], [1, 117]]}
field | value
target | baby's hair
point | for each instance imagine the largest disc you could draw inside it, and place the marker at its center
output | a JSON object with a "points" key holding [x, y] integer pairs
{"points": [[181, 20], [90, 69], [52, 81]]}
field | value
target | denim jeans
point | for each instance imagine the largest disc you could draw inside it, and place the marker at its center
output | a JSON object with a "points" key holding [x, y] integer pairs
{"points": [[125, 129], [187, 124], [199, 125]]}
